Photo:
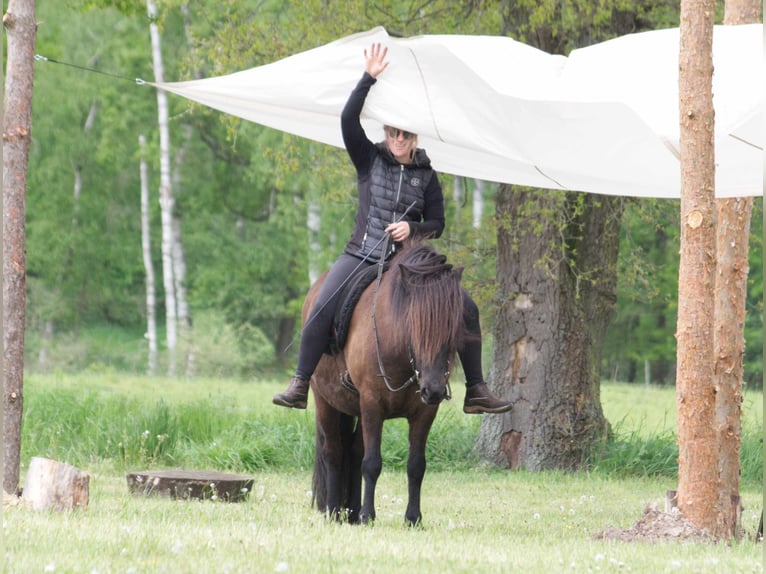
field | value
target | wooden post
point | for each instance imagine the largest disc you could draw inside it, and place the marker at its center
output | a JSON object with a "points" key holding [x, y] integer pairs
{"points": [[55, 485]]}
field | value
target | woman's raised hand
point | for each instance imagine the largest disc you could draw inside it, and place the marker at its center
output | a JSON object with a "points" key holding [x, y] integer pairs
{"points": [[375, 60]]}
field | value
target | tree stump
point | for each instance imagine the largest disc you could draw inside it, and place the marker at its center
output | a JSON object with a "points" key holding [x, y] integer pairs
{"points": [[187, 484], [56, 485]]}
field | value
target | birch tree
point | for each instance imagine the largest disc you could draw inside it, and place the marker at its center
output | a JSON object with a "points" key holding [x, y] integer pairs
{"points": [[146, 250], [697, 495], [167, 201], [20, 28], [732, 245]]}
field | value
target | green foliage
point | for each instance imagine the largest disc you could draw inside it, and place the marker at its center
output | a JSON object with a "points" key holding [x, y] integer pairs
{"points": [[243, 191], [642, 331], [229, 425]]}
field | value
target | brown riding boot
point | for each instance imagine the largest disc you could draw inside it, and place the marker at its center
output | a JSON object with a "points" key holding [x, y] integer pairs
{"points": [[295, 396], [479, 399]]}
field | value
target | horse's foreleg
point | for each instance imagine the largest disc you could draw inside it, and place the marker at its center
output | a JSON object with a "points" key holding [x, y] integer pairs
{"points": [[372, 462], [355, 485], [416, 466]]}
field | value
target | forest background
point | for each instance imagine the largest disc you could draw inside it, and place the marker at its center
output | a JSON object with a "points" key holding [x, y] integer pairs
{"points": [[261, 211]]}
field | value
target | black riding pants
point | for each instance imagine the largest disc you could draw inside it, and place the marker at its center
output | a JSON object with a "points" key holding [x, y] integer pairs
{"points": [[316, 333]]}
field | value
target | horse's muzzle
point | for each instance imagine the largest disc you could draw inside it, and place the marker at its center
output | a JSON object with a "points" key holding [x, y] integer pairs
{"points": [[433, 396]]}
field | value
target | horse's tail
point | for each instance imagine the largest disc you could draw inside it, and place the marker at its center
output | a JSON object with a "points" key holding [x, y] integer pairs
{"points": [[349, 474]]}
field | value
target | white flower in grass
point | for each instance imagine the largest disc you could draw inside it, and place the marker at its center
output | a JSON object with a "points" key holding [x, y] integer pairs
{"points": [[309, 494], [50, 567], [536, 516], [282, 567], [676, 564], [177, 547], [599, 558]]}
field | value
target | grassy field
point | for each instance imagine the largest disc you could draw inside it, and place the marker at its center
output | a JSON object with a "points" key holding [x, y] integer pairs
{"points": [[476, 519]]}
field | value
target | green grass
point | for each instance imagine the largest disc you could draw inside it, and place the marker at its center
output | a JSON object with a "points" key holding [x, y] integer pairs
{"points": [[476, 519]]}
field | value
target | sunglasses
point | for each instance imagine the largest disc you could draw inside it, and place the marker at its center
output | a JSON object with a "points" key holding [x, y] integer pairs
{"points": [[394, 133]]}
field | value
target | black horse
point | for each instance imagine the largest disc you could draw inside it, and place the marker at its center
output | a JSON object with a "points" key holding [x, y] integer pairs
{"points": [[401, 342]]}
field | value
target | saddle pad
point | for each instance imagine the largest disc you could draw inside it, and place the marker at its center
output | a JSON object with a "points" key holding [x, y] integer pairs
{"points": [[349, 297]]}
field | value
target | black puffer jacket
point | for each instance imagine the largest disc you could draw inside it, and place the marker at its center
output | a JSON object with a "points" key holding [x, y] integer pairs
{"points": [[387, 189]]}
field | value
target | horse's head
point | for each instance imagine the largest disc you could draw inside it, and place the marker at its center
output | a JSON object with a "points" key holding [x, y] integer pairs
{"points": [[429, 300], [433, 378]]}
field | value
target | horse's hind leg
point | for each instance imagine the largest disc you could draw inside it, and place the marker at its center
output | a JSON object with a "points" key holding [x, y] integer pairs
{"points": [[416, 464], [353, 472], [328, 464]]}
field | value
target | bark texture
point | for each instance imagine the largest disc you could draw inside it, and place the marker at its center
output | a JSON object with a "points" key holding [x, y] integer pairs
{"points": [[53, 485], [20, 28], [732, 246], [557, 255], [167, 200], [695, 384]]}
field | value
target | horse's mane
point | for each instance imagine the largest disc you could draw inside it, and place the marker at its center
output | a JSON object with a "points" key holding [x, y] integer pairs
{"points": [[427, 299]]}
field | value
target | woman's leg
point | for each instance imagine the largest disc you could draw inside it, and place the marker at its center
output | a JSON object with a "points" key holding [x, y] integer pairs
{"points": [[478, 398], [316, 332]]}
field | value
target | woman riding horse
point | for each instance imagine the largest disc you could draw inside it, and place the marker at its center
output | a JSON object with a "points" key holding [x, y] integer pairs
{"points": [[399, 197]]}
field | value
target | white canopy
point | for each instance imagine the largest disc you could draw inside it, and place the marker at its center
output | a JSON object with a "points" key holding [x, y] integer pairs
{"points": [[602, 120]]}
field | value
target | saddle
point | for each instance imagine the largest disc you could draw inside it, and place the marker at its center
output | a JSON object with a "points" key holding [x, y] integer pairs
{"points": [[349, 297]]}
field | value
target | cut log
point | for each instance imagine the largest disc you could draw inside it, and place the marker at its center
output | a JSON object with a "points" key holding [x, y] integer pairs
{"points": [[55, 485], [186, 484]]}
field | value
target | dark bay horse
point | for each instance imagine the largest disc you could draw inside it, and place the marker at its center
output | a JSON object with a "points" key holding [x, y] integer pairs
{"points": [[401, 342]]}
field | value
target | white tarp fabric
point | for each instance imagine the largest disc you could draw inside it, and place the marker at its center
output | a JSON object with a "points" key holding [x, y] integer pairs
{"points": [[602, 120]]}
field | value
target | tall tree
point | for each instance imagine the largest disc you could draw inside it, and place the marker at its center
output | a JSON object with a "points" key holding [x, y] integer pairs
{"points": [[556, 283], [167, 200], [732, 244], [556, 278], [20, 28], [146, 250], [697, 495]]}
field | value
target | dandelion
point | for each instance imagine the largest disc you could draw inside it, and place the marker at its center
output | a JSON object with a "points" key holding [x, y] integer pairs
{"points": [[50, 567], [536, 516], [282, 567], [571, 511], [599, 558]]}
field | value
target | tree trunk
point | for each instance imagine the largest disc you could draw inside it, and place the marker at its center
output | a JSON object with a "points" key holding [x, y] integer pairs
{"points": [[167, 201], [478, 202], [179, 263], [313, 227], [695, 384], [146, 249], [52, 485], [20, 28], [732, 245], [557, 286], [457, 197]]}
